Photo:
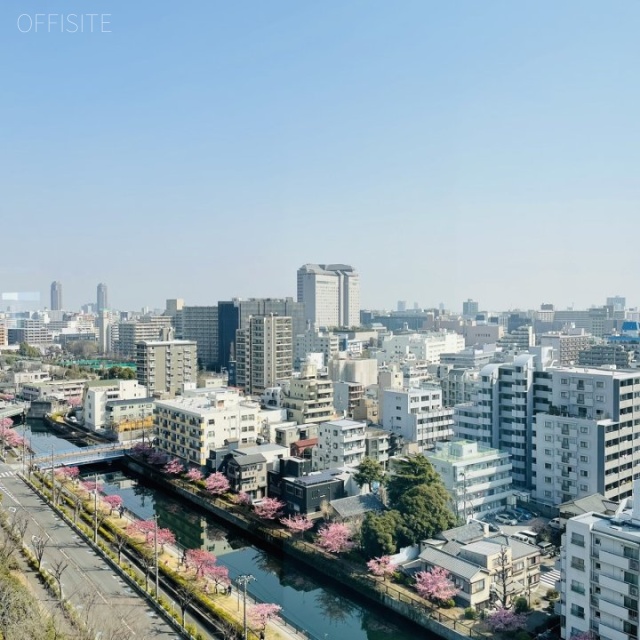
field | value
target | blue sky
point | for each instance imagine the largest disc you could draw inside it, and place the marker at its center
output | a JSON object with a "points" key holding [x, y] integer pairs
{"points": [[207, 149]]}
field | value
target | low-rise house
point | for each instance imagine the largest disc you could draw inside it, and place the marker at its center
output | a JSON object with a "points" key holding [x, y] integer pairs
{"points": [[248, 474], [354, 507]]}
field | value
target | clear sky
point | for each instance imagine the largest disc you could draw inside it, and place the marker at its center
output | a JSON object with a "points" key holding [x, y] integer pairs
{"points": [[205, 149]]}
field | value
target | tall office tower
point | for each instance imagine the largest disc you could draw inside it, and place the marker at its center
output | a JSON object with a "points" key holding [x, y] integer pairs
{"points": [[619, 303], [331, 294], [133, 331], [56, 296], [102, 297], [200, 324], [264, 353], [235, 314], [166, 366], [470, 308]]}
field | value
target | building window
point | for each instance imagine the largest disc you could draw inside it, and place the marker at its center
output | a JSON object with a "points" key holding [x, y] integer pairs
{"points": [[577, 587], [564, 381], [584, 444], [584, 458], [584, 429], [577, 539], [584, 474], [577, 563], [600, 384], [577, 611], [476, 587]]}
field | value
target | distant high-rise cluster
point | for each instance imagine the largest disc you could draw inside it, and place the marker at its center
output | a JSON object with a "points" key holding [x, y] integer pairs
{"points": [[56, 296], [331, 294], [102, 300]]}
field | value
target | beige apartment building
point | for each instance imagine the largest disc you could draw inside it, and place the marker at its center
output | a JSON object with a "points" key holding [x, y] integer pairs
{"points": [[165, 367]]}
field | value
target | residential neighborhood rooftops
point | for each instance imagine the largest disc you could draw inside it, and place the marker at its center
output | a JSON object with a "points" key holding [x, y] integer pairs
{"points": [[357, 505], [457, 566]]}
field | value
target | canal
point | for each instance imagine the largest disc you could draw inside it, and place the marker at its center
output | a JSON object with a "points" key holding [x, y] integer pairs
{"points": [[309, 602]]}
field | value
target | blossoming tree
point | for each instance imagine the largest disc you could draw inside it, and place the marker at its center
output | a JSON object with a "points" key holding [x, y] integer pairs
{"points": [[381, 567], [297, 524], [435, 585], [194, 475], [506, 620], [216, 484], [269, 508], [260, 614], [173, 467], [334, 537]]}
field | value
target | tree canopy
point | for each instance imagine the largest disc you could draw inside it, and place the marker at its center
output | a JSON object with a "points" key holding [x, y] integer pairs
{"points": [[425, 511], [382, 533], [409, 473], [369, 471]]}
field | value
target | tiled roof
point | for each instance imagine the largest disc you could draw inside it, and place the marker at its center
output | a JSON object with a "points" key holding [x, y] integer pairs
{"points": [[454, 565], [357, 505]]}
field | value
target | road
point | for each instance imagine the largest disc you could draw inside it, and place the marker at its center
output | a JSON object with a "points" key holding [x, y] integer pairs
{"points": [[101, 597]]}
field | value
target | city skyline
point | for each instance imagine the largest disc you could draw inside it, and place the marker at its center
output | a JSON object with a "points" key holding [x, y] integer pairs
{"points": [[446, 151]]}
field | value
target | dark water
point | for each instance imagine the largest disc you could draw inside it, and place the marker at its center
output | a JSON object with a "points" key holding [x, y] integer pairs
{"points": [[321, 610], [42, 439]]}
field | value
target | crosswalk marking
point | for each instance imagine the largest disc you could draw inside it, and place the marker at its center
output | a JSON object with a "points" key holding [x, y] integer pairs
{"points": [[7, 474], [550, 578]]}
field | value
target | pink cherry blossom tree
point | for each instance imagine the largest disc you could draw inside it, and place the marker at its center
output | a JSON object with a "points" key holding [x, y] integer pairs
{"points": [[141, 450], [583, 635], [8, 436], [269, 508], [157, 458], [381, 567], [194, 475], [297, 524], [200, 560], [241, 498], [67, 473], [334, 537], [173, 467], [113, 502], [506, 620], [74, 401], [147, 529], [216, 484], [260, 614], [91, 486], [435, 585], [219, 575]]}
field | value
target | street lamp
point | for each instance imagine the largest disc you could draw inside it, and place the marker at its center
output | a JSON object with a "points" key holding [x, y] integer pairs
{"points": [[243, 580]]}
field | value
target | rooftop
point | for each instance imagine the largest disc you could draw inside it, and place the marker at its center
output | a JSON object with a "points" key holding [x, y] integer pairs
{"points": [[456, 566], [357, 505]]}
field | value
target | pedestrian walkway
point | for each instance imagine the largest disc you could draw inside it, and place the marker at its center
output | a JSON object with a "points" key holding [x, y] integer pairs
{"points": [[550, 578], [7, 474]]}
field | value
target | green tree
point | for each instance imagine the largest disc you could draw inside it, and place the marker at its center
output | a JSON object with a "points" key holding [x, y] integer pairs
{"points": [[119, 373], [409, 473], [369, 471], [28, 351], [82, 348], [382, 533], [425, 511]]}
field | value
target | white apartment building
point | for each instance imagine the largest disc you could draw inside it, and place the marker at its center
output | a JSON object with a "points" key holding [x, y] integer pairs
{"points": [[67, 390], [190, 427], [164, 367], [417, 414], [133, 331], [347, 369], [425, 347], [586, 442], [600, 568], [309, 397], [482, 333], [567, 345], [477, 477], [331, 294], [501, 414], [340, 443], [346, 397], [315, 341], [458, 385], [264, 353], [100, 392]]}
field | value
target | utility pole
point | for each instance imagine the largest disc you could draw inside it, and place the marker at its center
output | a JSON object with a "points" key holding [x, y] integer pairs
{"points": [[155, 551], [53, 480], [95, 509], [243, 580]]}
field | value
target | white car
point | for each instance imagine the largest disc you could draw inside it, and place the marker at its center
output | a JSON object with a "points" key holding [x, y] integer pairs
{"points": [[555, 524], [505, 519]]}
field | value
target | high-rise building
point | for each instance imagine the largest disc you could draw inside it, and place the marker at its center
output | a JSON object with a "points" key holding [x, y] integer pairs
{"points": [[102, 301], [619, 303], [330, 293], [309, 397], [164, 367], [235, 314], [470, 308], [201, 325], [146, 328], [56, 296], [264, 353]]}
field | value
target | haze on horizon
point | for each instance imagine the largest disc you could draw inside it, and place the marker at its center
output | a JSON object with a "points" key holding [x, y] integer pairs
{"points": [[445, 150]]}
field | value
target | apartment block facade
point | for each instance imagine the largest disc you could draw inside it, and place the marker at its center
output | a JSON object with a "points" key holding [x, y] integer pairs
{"points": [[200, 325], [340, 443], [264, 353], [309, 398], [166, 367]]}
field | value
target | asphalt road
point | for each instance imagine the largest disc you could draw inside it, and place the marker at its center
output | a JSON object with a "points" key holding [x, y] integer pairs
{"points": [[101, 597]]}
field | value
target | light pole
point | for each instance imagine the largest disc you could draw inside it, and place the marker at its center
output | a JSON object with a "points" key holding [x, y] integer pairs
{"points": [[95, 509], [243, 580], [155, 551]]}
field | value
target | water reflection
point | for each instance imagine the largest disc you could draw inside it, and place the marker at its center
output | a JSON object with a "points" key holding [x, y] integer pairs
{"points": [[320, 609]]}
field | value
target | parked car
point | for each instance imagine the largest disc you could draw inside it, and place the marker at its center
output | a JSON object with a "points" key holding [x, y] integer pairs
{"points": [[503, 518], [555, 524], [546, 548]]}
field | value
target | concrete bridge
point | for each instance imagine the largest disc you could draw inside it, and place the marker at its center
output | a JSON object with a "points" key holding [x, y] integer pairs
{"points": [[13, 410], [81, 456]]}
